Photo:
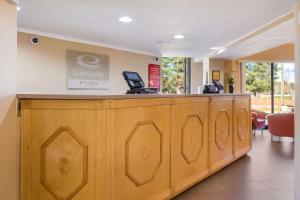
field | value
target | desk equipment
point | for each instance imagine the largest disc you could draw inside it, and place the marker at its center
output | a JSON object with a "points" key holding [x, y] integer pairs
{"points": [[136, 84], [213, 89]]}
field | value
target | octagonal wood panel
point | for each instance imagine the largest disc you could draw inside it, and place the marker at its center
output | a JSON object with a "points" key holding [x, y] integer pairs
{"points": [[192, 138], [64, 164], [143, 153], [222, 130], [242, 124]]}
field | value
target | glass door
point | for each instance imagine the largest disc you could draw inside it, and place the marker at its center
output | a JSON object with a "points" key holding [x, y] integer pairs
{"points": [[284, 88]]}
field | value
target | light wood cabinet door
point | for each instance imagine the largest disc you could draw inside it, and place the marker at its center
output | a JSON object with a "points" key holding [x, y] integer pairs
{"points": [[189, 142], [220, 132], [60, 146], [242, 126], [139, 146]]}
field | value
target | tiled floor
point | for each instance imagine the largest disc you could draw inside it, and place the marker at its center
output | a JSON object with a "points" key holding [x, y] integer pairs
{"points": [[266, 173]]}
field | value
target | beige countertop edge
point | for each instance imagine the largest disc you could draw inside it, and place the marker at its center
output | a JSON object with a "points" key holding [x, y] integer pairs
{"points": [[114, 97]]}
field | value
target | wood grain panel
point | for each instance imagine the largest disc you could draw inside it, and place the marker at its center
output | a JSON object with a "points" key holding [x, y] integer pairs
{"points": [[61, 154], [189, 142], [242, 126], [139, 151], [64, 159], [128, 148], [220, 133]]}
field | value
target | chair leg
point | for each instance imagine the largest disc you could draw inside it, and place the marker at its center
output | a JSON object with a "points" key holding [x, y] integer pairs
{"points": [[262, 131], [272, 138]]}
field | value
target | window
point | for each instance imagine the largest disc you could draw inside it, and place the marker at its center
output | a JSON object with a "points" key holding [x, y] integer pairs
{"points": [[176, 75], [272, 86]]}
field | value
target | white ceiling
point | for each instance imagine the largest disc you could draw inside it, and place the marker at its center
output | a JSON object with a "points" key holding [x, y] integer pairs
{"points": [[276, 36], [205, 23]]}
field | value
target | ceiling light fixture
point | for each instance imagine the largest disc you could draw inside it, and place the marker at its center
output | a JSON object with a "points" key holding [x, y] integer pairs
{"points": [[125, 19], [221, 51], [216, 48], [18, 8], [179, 36]]}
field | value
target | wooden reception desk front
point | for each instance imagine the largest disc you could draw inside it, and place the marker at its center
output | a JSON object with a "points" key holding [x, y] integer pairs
{"points": [[127, 147]]}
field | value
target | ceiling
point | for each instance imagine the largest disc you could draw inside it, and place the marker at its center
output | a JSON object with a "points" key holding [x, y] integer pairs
{"points": [[274, 37], [205, 23]]}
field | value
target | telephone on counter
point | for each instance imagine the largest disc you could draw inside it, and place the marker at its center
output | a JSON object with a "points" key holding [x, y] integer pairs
{"points": [[136, 84], [215, 88]]}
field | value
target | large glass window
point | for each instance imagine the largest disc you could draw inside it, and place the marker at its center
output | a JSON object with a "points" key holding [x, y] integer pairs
{"points": [[261, 83], [175, 75], [258, 83], [284, 87]]}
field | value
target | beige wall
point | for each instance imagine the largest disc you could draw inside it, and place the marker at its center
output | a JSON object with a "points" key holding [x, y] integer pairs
{"points": [[197, 73], [42, 68], [283, 53], [196, 76], [217, 64], [9, 138], [233, 68]]}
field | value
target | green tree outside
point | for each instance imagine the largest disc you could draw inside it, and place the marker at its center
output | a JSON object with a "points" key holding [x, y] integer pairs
{"points": [[258, 77], [173, 75]]}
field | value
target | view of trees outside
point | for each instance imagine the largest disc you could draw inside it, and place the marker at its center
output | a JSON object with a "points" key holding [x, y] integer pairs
{"points": [[173, 75], [258, 82]]}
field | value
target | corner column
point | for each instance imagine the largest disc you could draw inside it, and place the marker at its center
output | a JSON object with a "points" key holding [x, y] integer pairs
{"points": [[206, 76], [297, 100]]}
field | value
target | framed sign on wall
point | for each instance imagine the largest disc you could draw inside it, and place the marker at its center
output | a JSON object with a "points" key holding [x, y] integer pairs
{"points": [[216, 75], [154, 76], [87, 70]]}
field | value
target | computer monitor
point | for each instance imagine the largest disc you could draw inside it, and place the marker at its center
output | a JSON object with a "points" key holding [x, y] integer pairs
{"points": [[133, 80]]}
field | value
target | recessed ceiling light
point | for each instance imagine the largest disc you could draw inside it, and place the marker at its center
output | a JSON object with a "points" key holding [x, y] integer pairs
{"points": [[215, 48], [221, 51], [179, 36], [125, 19], [18, 8]]}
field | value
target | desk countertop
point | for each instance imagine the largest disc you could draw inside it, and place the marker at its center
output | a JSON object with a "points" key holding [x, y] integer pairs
{"points": [[115, 97]]}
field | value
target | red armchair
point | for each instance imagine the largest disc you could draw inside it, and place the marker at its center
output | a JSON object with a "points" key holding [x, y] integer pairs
{"points": [[281, 124], [258, 120]]}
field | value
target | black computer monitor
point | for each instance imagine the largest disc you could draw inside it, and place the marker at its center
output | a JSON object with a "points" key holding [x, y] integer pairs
{"points": [[133, 80], [218, 84]]}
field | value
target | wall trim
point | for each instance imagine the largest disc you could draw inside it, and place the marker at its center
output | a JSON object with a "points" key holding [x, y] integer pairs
{"points": [[252, 34], [83, 41]]}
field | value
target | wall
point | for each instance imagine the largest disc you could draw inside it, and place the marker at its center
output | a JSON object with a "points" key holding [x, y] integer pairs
{"points": [[233, 68], [9, 137], [197, 73], [42, 68], [297, 103], [196, 76], [217, 64], [283, 53]]}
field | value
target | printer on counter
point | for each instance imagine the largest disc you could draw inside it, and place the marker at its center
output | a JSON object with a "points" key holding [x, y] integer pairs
{"points": [[136, 84], [213, 89]]}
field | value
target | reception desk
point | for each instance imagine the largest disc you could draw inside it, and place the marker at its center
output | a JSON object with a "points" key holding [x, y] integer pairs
{"points": [[135, 147]]}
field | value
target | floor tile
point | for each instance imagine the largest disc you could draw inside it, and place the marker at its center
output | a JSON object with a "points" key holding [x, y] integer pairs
{"points": [[266, 173]]}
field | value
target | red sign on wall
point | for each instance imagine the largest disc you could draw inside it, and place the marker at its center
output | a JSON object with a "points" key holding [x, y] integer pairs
{"points": [[154, 76]]}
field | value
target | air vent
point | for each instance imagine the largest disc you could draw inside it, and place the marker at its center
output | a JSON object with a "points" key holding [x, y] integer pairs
{"points": [[165, 43]]}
